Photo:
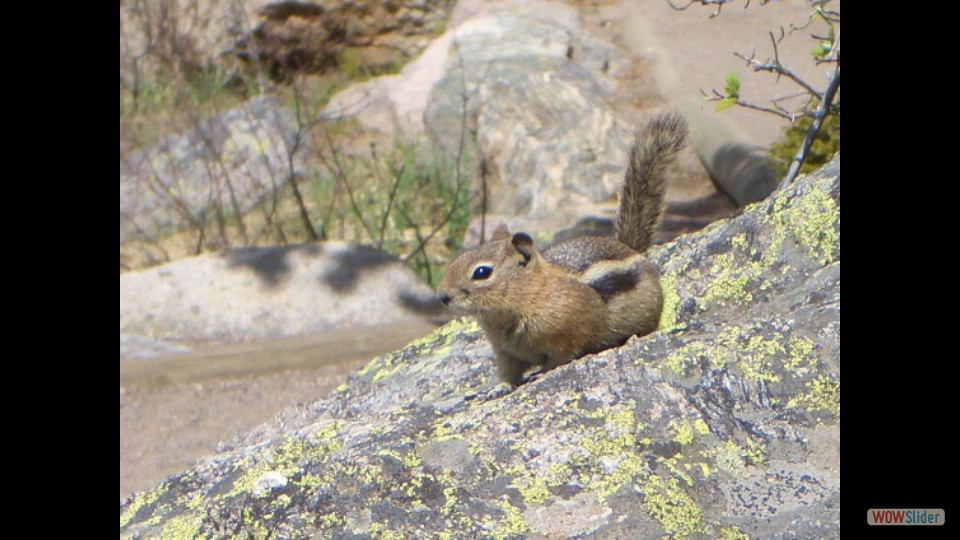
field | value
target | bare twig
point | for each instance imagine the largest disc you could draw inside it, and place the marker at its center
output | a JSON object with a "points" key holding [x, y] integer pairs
{"points": [[776, 101], [461, 147], [777, 111], [776, 67], [216, 175], [397, 177], [338, 170], [291, 168], [269, 206], [243, 29], [439, 226], [484, 171], [822, 111], [421, 241], [826, 53], [718, 3], [164, 191], [375, 165], [143, 236]]}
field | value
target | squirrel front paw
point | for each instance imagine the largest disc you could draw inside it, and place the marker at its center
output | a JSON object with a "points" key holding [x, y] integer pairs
{"points": [[500, 390]]}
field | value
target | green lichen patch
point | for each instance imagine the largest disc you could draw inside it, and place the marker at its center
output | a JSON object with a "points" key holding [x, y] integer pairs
{"points": [[434, 344], [388, 362], [738, 276], [328, 438], [822, 395], [182, 528], [671, 301], [760, 357], [511, 522], [533, 488], [617, 436], [141, 501], [612, 450], [685, 432], [411, 460], [812, 221], [285, 461], [734, 459], [754, 453], [802, 355], [729, 282], [253, 525], [741, 243], [685, 359], [626, 470], [758, 352], [732, 533], [671, 506]]}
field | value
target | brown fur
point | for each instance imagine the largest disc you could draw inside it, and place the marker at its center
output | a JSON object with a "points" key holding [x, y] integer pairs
{"points": [[641, 199], [578, 297]]}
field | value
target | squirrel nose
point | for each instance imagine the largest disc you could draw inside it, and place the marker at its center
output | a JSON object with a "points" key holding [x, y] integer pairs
{"points": [[445, 299]]}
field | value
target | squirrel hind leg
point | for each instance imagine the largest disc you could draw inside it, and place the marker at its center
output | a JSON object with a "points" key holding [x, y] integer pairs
{"points": [[636, 310]]}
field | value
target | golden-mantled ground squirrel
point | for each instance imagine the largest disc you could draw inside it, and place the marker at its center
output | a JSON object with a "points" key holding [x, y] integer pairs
{"points": [[581, 296]]}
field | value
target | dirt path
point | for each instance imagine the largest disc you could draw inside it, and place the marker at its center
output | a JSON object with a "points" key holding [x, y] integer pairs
{"points": [[175, 410], [694, 53]]}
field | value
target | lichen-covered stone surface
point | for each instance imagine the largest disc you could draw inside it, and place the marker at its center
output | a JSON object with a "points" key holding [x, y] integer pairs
{"points": [[724, 424]]}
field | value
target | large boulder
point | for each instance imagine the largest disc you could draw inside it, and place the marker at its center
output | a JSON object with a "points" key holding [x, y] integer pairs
{"points": [[544, 133], [257, 293], [528, 85], [723, 424]]}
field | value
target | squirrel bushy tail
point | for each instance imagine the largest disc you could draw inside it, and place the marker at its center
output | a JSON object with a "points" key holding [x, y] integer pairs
{"points": [[641, 200]]}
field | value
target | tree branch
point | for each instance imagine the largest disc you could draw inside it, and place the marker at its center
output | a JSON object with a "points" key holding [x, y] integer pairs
{"points": [[822, 111]]}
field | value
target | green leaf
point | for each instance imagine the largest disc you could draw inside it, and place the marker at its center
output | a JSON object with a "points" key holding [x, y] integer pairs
{"points": [[733, 85], [725, 104]]}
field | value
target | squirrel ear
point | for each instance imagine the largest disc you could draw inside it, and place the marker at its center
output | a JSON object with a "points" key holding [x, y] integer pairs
{"points": [[524, 244], [502, 232]]}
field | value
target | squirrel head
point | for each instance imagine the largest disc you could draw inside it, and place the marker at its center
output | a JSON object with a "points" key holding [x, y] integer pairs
{"points": [[491, 277]]}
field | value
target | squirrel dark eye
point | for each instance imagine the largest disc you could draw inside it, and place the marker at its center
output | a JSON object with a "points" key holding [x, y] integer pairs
{"points": [[482, 272]]}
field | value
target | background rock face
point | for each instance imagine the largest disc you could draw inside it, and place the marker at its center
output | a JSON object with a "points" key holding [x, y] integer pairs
{"points": [[191, 33], [310, 35], [529, 87], [314, 35], [724, 423], [543, 131], [258, 293], [228, 161]]}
